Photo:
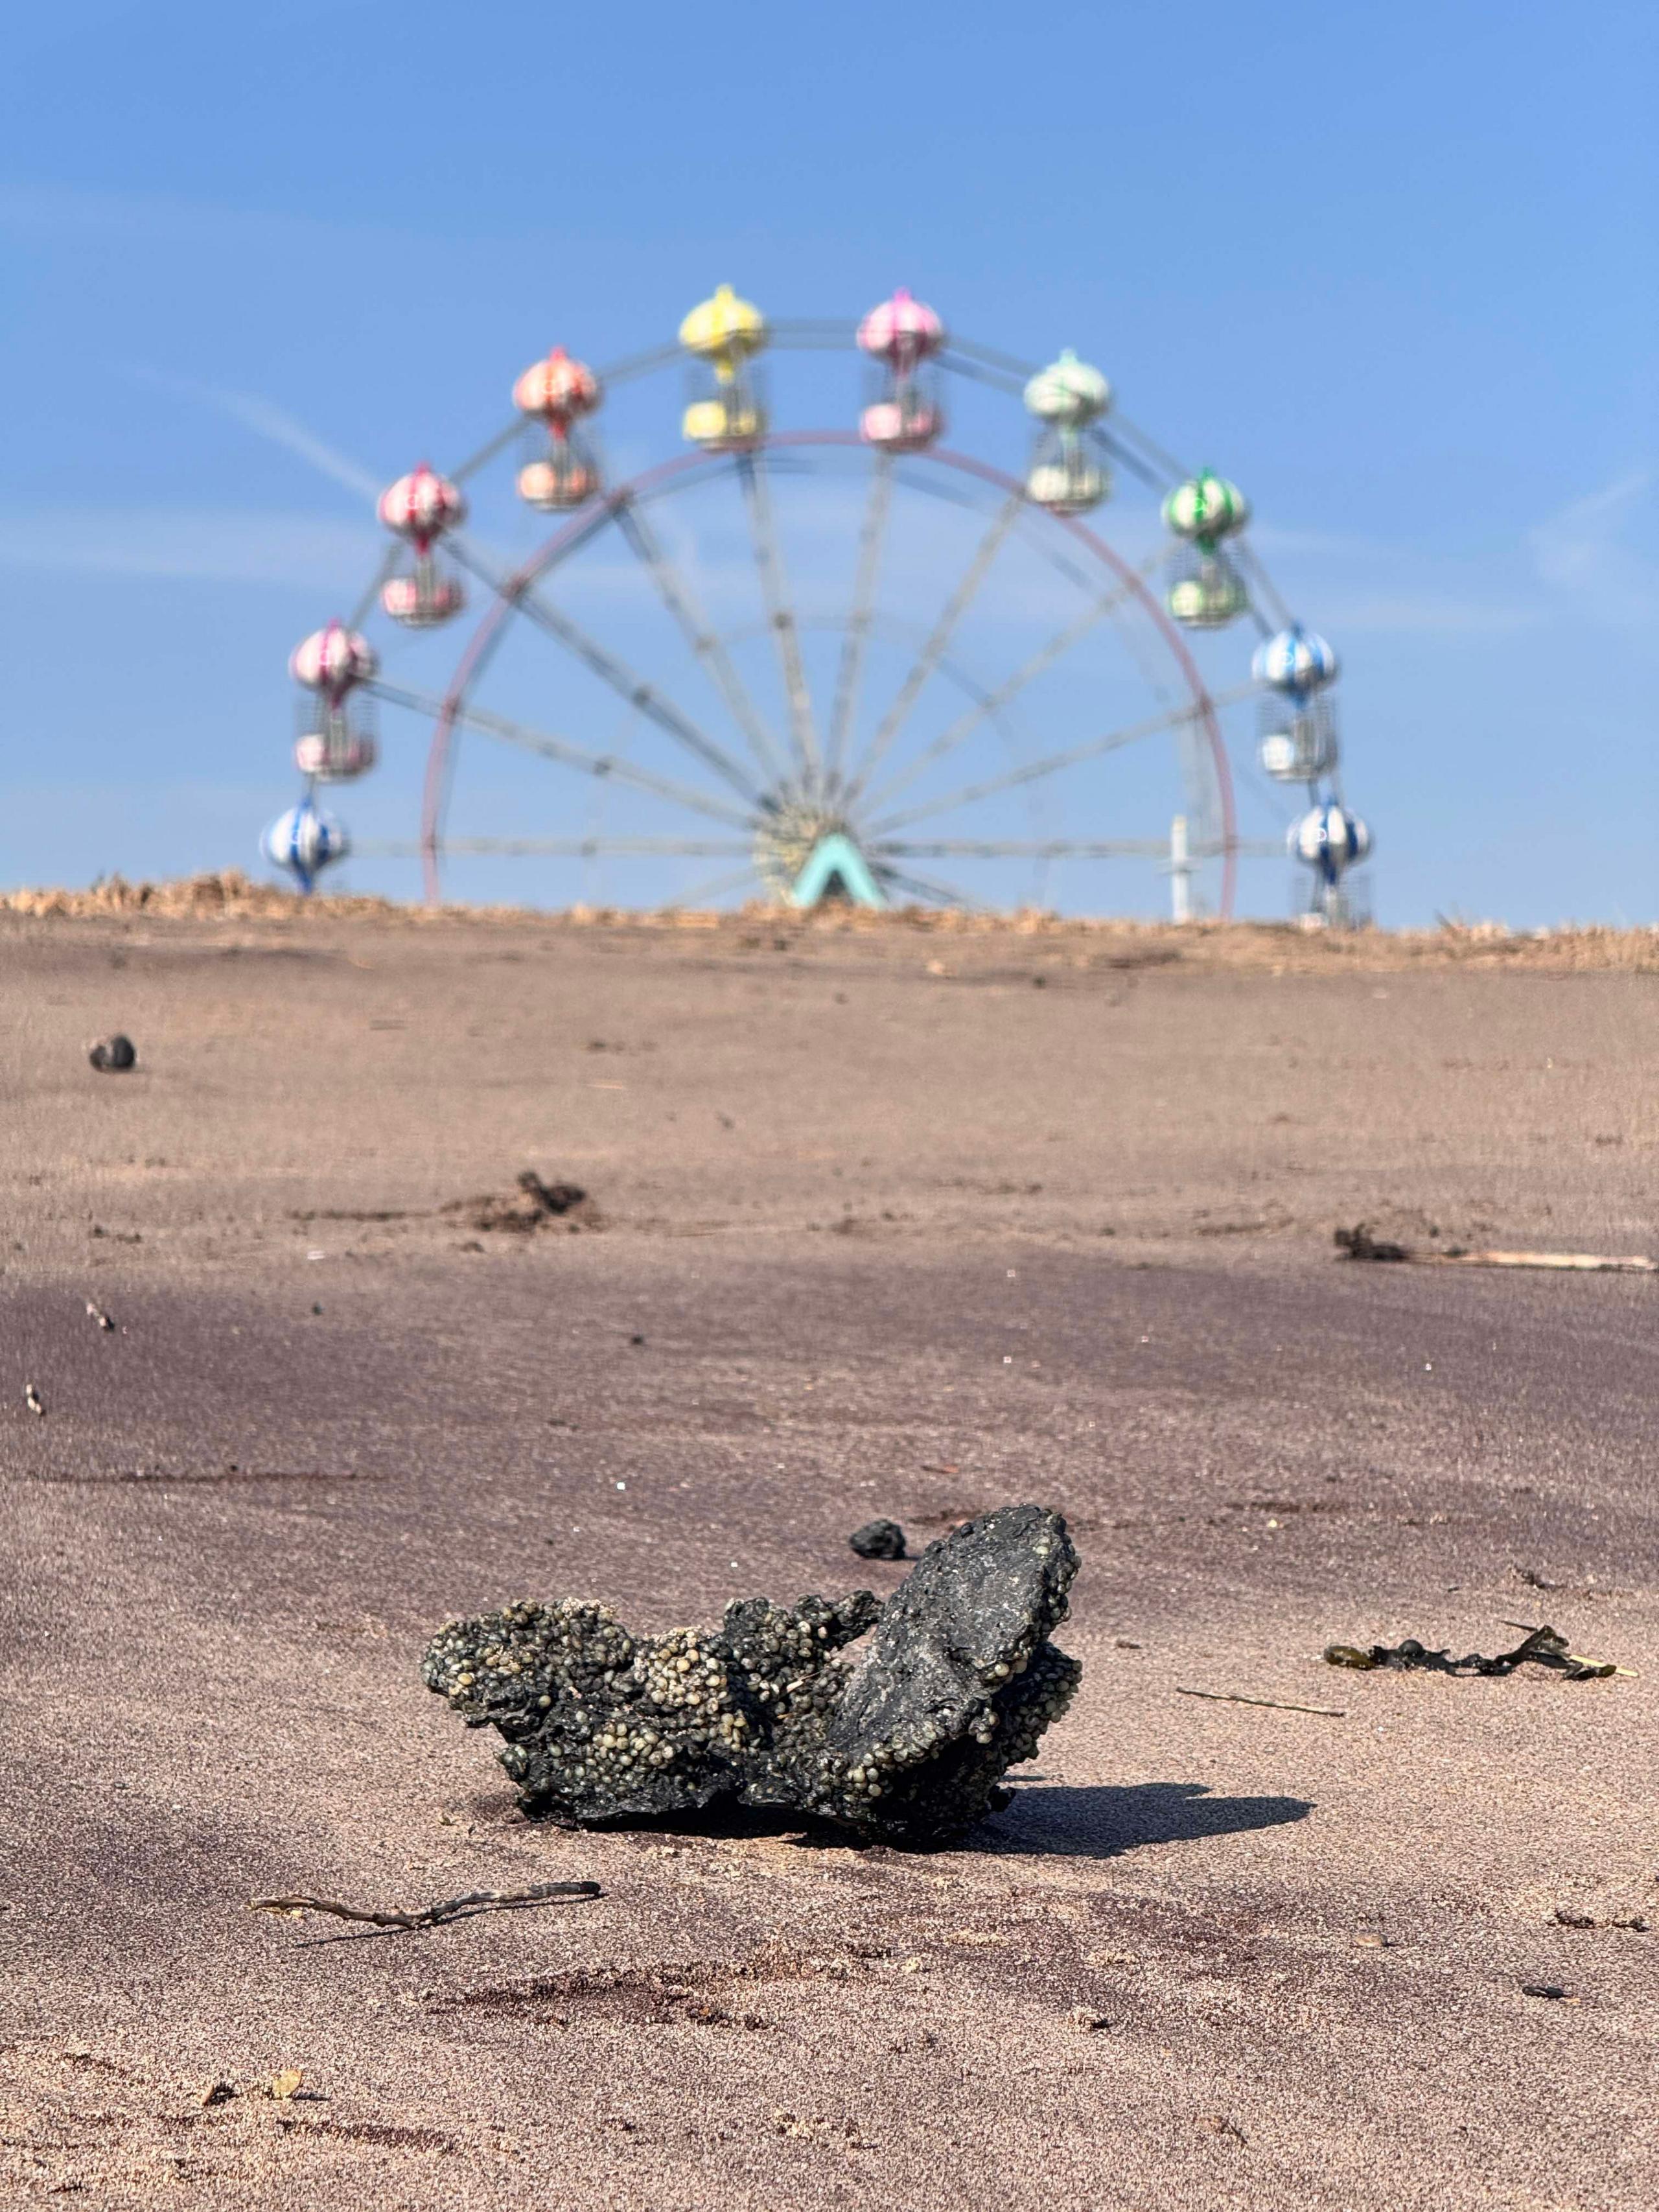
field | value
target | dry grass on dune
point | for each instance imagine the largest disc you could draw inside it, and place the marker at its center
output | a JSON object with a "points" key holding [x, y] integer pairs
{"points": [[232, 895]]}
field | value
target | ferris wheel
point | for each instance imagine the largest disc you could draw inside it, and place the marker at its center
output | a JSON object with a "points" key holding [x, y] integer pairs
{"points": [[875, 647]]}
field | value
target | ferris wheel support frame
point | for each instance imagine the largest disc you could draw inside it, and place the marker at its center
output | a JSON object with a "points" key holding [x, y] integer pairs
{"points": [[512, 595]]}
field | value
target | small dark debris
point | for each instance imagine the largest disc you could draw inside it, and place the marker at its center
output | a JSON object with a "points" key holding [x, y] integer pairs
{"points": [[1550, 1989], [1567, 1917], [348, 1213], [1533, 1580], [316, 1309], [1359, 1243], [551, 1197], [1544, 1647], [636, 1337], [1218, 2124], [532, 1205], [113, 1055], [879, 1540]]}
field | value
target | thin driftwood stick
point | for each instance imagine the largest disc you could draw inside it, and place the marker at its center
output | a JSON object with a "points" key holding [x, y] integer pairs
{"points": [[1577, 1658], [1359, 1243], [431, 1916], [1579, 1263], [1278, 1704]]}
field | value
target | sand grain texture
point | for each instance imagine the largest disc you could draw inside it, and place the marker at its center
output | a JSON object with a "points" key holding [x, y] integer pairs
{"points": [[894, 1221]]}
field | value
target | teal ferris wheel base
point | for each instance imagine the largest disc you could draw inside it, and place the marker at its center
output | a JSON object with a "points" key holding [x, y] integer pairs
{"points": [[835, 872]]}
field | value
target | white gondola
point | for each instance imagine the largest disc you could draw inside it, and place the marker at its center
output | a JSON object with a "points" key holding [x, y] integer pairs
{"points": [[1330, 840], [304, 841], [420, 508], [1065, 397], [1299, 748], [904, 425], [1208, 596], [335, 754], [1069, 393], [557, 393], [1070, 485], [333, 660], [1297, 662], [558, 484], [903, 336], [423, 600]]}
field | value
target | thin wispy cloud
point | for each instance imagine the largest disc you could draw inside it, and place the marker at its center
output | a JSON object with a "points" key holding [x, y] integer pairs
{"points": [[274, 425], [1423, 614], [62, 215], [301, 552], [1584, 552], [1350, 585]]}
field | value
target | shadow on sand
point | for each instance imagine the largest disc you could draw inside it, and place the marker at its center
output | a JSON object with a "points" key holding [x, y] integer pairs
{"points": [[1102, 1821], [1099, 1821]]}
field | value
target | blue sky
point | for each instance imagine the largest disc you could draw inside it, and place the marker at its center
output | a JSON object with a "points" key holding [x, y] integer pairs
{"points": [[1391, 269]]}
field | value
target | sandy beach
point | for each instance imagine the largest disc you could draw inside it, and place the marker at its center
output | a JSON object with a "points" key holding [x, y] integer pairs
{"points": [[888, 1219]]}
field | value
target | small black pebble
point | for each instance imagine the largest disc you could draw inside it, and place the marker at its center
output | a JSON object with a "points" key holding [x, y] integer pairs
{"points": [[316, 1309], [113, 1054], [636, 1339], [1542, 1990], [879, 1540]]}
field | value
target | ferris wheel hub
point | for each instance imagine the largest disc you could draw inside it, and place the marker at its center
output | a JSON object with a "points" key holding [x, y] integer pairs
{"points": [[790, 835]]}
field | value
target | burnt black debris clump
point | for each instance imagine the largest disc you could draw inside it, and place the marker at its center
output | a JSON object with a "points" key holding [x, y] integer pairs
{"points": [[1541, 1647], [879, 1540], [113, 1055], [906, 1745], [531, 1205]]}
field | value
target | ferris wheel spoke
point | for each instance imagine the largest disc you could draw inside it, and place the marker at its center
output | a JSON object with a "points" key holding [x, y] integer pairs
{"points": [[871, 539], [488, 451], [992, 702], [615, 373], [988, 365], [978, 372], [1260, 586], [939, 639], [1172, 469], [561, 848], [780, 614], [714, 887], [677, 597], [371, 598], [1052, 764], [925, 887], [1125, 456], [593, 849], [560, 749], [610, 669], [1027, 848]]}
